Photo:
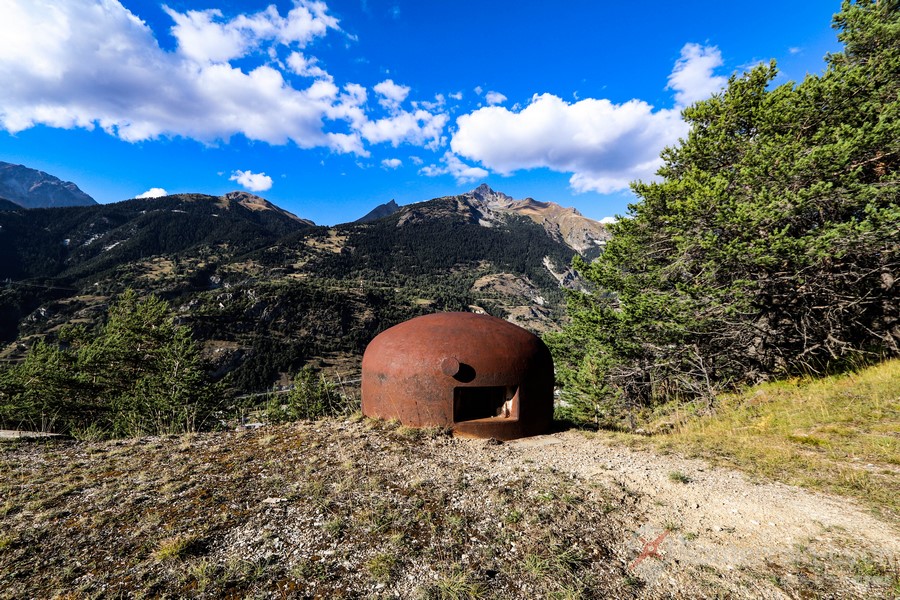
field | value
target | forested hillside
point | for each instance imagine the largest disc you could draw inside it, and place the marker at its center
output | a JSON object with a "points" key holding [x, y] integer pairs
{"points": [[770, 246], [62, 254], [263, 293]]}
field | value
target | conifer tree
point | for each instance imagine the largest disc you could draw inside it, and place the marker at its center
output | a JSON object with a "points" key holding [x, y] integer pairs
{"points": [[139, 373], [771, 245]]}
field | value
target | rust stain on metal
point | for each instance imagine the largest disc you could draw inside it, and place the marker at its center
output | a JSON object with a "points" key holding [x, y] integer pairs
{"points": [[480, 375]]}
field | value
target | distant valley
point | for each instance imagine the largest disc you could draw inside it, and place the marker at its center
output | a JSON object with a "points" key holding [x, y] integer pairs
{"points": [[267, 292]]}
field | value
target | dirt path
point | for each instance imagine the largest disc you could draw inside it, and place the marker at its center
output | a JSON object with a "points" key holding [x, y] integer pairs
{"points": [[715, 518]]}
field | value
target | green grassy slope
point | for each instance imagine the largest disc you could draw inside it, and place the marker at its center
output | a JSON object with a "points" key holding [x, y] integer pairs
{"points": [[838, 434]]}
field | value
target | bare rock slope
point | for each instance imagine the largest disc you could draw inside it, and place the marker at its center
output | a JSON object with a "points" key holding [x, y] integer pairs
{"points": [[562, 223]]}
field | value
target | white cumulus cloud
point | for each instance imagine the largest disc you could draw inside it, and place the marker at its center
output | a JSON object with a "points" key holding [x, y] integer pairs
{"points": [[602, 144], [494, 98], [90, 63], [462, 172], [93, 64], [419, 128], [391, 95], [205, 36], [693, 78], [153, 193], [255, 182], [391, 163], [201, 38]]}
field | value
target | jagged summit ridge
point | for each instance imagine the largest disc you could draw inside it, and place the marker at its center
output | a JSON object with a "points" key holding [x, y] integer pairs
{"points": [[565, 224], [485, 194]]}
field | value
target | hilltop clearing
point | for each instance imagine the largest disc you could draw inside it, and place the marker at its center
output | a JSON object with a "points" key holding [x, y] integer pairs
{"points": [[364, 509]]}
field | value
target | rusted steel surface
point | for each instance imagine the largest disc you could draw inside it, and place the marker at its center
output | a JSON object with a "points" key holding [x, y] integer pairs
{"points": [[480, 375]]}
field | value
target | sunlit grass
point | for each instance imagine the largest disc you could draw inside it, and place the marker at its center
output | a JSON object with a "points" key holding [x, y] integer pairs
{"points": [[838, 434], [177, 547]]}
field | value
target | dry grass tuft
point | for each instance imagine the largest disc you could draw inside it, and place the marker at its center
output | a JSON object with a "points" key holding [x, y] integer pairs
{"points": [[178, 547]]}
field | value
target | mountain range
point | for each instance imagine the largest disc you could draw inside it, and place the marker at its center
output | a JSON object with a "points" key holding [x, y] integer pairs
{"points": [[30, 188], [267, 292]]}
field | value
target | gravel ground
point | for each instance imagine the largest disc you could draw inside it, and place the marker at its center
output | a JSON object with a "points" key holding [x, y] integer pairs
{"points": [[359, 508], [752, 534]]}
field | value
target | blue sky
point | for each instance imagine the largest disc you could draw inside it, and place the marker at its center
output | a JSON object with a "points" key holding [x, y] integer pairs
{"points": [[330, 108]]}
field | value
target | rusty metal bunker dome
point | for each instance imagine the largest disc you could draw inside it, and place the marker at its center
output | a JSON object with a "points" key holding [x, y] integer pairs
{"points": [[480, 375]]}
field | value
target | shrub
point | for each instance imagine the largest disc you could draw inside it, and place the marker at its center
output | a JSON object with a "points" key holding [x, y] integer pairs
{"points": [[311, 397], [139, 373]]}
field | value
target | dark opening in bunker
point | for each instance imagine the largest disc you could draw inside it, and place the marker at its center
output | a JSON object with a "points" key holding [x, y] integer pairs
{"points": [[471, 403]]}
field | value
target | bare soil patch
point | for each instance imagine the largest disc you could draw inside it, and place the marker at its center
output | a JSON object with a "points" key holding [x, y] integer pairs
{"points": [[363, 509], [745, 538]]}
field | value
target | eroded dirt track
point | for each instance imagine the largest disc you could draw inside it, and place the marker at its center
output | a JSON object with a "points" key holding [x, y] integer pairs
{"points": [[768, 539]]}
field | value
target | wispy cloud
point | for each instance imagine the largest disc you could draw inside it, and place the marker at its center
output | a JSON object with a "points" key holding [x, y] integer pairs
{"points": [[452, 165], [494, 98], [306, 66]]}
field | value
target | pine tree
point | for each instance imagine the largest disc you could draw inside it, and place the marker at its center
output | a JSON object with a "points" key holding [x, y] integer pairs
{"points": [[139, 373], [771, 245]]}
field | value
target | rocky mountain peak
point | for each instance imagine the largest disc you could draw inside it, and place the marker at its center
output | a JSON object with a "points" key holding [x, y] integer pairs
{"points": [[30, 188], [379, 212], [561, 223], [254, 202], [485, 194]]}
